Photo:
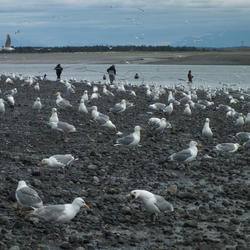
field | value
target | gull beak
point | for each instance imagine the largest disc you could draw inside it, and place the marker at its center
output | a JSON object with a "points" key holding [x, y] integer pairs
{"points": [[130, 196], [40, 164], [87, 207], [199, 145], [142, 129]]}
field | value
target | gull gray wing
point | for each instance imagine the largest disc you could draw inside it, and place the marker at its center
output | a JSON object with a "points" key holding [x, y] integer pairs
{"points": [[64, 159], [162, 204], [101, 120], [181, 156], [103, 116], [117, 108], [126, 140], [65, 127], [28, 197], [51, 212]]}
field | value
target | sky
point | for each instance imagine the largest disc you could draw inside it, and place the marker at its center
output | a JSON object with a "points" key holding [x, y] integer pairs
{"points": [[200, 23]]}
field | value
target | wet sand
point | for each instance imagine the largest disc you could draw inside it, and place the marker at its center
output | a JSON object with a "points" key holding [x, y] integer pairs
{"points": [[236, 57], [211, 201]]}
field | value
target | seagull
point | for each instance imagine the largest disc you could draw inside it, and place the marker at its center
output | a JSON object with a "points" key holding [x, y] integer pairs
{"points": [[187, 111], [206, 131], [60, 213], [58, 160], [54, 116], [62, 102], [130, 140], [10, 100], [36, 86], [243, 136], [169, 109], [37, 105], [95, 113], [227, 147], [82, 107], [119, 107], [154, 204], [106, 91], [27, 197], [2, 106], [85, 96], [186, 155], [158, 125], [158, 106], [240, 120], [102, 119], [63, 127]]}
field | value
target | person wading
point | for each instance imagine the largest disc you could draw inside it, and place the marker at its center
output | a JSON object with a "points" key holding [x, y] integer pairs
{"points": [[112, 72], [58, 70]]}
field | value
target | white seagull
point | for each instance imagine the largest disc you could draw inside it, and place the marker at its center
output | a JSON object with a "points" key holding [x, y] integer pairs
{"points": [[154, 204], [27, 197], [185, 155], [60, 213]]}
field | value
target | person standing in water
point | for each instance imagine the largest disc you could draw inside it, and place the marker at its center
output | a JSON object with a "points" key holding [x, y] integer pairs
{"points": [[58, 70], [112, 72], [190, 76]]}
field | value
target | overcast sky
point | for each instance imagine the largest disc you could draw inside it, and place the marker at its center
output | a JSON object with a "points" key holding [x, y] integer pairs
{"points": [[203, 23]]}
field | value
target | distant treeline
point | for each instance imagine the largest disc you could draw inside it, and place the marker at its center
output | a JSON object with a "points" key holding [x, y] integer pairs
{"points": [[105, 49]]}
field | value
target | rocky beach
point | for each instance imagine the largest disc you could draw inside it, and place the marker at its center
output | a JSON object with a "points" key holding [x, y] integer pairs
{"points": [[210, 195]]}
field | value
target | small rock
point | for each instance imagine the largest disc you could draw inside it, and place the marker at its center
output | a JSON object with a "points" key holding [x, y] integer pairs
{"points": [[126, 210], [92, 167], [172, 189], [14, 248], [96, 180]]}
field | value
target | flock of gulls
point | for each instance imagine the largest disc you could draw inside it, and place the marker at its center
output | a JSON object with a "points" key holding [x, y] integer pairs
{"points": [[181, 96]]}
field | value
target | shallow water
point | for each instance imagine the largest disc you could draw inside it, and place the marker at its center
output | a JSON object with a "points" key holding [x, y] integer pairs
{"points": [[167, 75]]}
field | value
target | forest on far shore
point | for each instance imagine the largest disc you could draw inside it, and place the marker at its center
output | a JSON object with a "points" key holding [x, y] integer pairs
{"points": [[103, 48]]}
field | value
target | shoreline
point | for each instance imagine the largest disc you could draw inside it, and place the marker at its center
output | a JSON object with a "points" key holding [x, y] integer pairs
{"points": [[154, 58]]}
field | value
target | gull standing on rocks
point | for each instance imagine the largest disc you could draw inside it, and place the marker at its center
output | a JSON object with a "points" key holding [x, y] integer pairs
{"points": [[154, 204], [185, 155], [82, 107], [158, 106], [62, 102], [206, 131], [158, 125], [58, 160], [54, 116], [101, 119], [119, 107], [228, 147], [27, 197], [106, 91], [36, 86], [10, 100], [37, 105], [130, 140], [169, 109], [2, 106], [240, 120], [243, 136], [85, 96], [60, 213], [187, 111]]}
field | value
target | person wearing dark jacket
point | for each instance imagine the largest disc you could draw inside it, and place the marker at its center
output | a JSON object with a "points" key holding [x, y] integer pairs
{"points": [[112, 72], [58, 70], [190, 76]]}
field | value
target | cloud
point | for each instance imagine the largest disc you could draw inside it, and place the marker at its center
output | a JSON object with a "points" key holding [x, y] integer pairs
{"points": [[147, 4]]}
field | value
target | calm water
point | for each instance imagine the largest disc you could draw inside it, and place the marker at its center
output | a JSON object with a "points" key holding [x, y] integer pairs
{"points": [[204, 75]]}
